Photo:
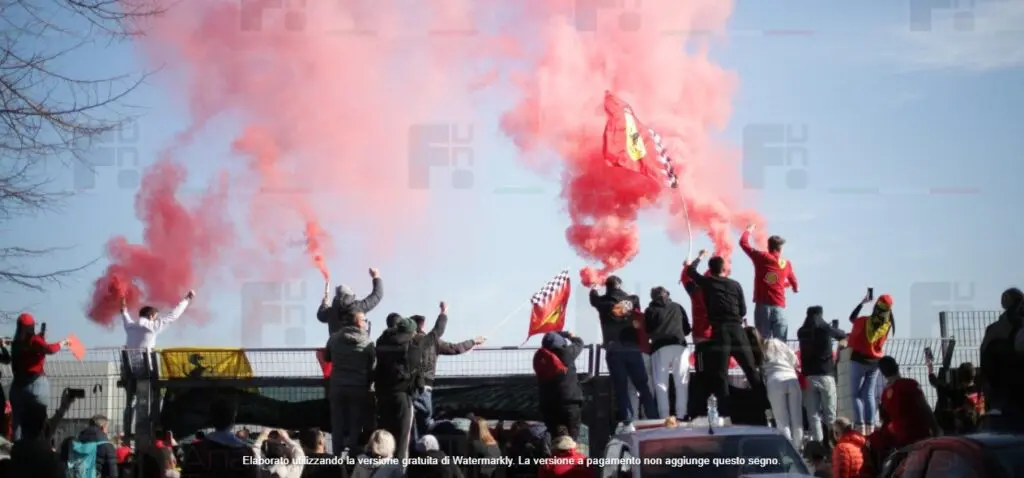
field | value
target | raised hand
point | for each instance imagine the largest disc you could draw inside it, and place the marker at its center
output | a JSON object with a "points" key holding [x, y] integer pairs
{"points": [[374, 273], [479, 340], [750, 228], [702, 254], [444, 307], [191, 295]]}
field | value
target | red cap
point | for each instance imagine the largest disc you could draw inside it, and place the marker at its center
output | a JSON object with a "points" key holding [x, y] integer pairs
{"points": [[885, 299], [26, 320]]}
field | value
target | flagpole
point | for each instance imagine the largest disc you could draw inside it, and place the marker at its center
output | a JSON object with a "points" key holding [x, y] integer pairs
{"points": [[507, 317], [689, 230]]}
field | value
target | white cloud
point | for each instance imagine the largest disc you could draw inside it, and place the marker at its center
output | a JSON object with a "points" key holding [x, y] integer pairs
{"points": [[996, 41]]}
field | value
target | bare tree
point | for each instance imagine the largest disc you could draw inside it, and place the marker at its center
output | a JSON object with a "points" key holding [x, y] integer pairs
{"points": [[49, 116]]}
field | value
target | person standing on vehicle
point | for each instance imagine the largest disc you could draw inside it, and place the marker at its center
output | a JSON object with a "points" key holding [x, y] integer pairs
{"points": [[726, 308], [396, 379], [819, 368], [667, 326], [561, 397], [352, 355], [772, 275], [431, 345], [701, 335], [625, 361]]}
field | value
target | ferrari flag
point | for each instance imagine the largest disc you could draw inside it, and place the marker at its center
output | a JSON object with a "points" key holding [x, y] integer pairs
{"points": [[631, 145], [549, 305], [201, 362]]}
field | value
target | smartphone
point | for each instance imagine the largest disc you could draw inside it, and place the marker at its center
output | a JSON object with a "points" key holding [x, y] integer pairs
{"points": [[928, 355], [42, 330], [871, 293], [835, 323], [76, 393]]}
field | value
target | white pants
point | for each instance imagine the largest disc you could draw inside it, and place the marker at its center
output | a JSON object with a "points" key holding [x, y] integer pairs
{"points": [[671, 361], [786, 400], [634, 396]]}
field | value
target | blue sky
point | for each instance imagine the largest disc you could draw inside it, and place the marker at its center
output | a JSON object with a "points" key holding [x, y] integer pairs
{"points": [[912, 159]]}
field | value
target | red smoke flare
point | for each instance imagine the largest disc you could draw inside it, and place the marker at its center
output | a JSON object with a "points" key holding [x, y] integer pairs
{"points": [[313, 233], [676, 90], [180, 245]]}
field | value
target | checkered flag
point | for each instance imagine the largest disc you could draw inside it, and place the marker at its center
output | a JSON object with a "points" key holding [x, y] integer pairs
{"points": [[665, 160], [551, 290]]}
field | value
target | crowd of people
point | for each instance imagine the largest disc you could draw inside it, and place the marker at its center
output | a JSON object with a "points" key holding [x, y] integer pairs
{"points": [[380, 391]]}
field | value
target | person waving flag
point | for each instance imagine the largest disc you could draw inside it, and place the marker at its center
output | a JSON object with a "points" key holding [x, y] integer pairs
{"points": [[629, 144]]}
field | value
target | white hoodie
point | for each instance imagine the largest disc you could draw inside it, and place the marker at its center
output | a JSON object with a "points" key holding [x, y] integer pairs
{"points": [[780, 362]]}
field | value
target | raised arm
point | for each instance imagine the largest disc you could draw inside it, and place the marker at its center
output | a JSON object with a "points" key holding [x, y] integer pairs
{"points": [[595, 298], [575, 347], [175, 313], [856, 312], [441, 324], [369, 302], [694, 276], [126, 318], [40, 345], [745, 244]]}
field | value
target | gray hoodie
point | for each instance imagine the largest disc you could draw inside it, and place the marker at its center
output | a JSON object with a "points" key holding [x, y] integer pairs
{"points": [[351, 353]]}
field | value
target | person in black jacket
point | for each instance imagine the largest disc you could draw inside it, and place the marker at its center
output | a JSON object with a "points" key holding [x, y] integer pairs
{"points": [[561, 398], [819, 367], [616, 309], [345, 304], [1002, 358], [396, 378], [667, 326], [431, 345], [726, 307]]}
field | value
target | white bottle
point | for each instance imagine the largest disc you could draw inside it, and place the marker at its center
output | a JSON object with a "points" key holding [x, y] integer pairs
{"points": [[713, 411]]}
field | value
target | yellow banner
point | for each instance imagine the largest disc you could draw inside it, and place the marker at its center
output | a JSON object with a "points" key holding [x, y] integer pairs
{"points": [[202, 362]]}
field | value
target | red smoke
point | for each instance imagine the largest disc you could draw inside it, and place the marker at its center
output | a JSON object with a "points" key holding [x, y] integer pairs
{"points": [[677, 90], [180, 245], [317, 121]]}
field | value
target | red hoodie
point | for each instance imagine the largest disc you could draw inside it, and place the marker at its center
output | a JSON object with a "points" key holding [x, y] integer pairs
{"points": [[699, 313], [561, 466], [902, 401], [772, 274], [639, 321]]}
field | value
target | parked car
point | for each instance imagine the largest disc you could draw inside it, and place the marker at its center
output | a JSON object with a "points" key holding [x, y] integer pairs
{"points": [[697, 450], [983, 455]]}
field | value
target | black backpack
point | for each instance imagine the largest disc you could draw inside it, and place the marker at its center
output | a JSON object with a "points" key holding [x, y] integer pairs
{"points": [[400, 364]]}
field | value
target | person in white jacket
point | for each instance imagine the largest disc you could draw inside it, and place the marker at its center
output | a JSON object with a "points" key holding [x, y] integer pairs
{"points": [[283, 457], [784, 393], [140, 339]]}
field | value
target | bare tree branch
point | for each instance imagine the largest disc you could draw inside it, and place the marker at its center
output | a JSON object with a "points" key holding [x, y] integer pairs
{"points": [[52, 114]]}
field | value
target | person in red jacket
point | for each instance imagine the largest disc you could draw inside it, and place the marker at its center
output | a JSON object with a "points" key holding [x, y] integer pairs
{"points": [[30, 389], [848, 455], [701, 333], [566, 461], [772, 275], [910, 416]]}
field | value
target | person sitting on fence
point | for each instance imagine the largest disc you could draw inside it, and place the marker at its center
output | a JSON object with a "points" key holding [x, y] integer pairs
{"points": [[351, 354], [221, 454], [561, 397], [140, 340], [91, 451], [1002, 358], [339, 312]]}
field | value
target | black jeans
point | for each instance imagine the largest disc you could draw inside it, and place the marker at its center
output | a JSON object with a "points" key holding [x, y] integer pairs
{"points": [[348, 408], [729, 340], [396, 416], [569, 416]]}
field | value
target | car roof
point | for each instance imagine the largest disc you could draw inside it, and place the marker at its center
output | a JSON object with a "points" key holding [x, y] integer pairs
{"points": [[660, 433], [996, 440]]}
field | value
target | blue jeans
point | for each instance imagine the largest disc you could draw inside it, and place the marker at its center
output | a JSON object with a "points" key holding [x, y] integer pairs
{"points": [[624, 366], [423, 409], [770, 321], [28, 407], [862, 386]]}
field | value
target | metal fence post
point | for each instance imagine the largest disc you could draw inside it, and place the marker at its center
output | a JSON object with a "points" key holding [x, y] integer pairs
{"points": [[944, 324]]}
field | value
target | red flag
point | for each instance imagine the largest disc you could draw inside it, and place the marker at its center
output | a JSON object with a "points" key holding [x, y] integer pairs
{"points": [[325, 366], [549, 305], [628, 143]]}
